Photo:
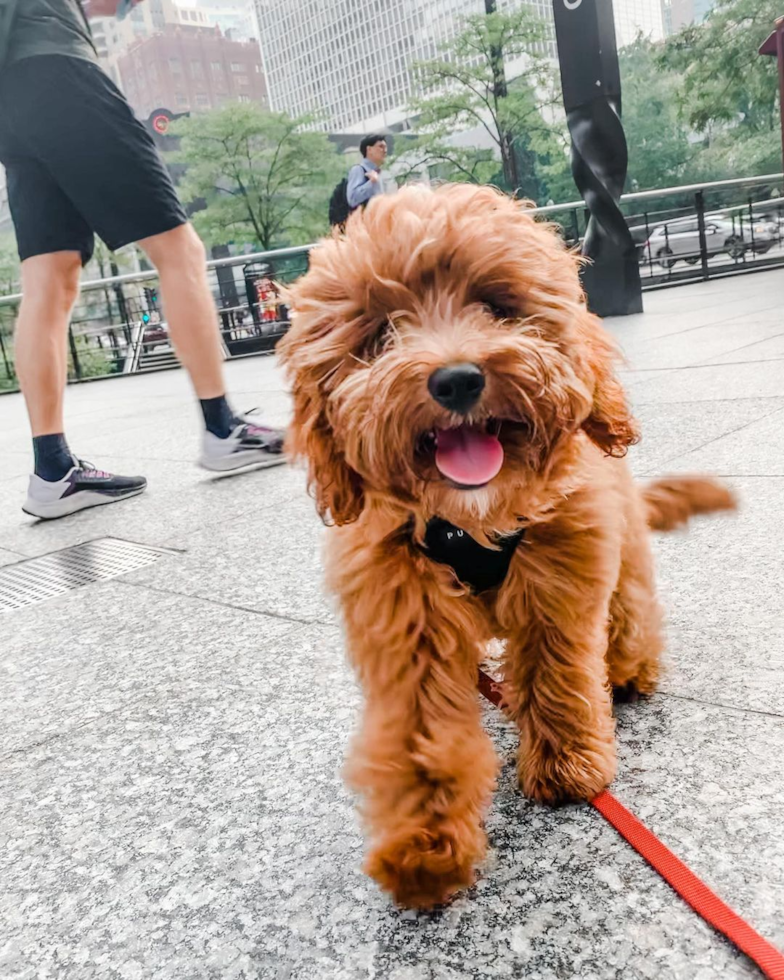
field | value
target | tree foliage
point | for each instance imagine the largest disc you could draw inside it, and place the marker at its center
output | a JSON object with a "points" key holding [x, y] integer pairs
{"points": [[702, 106], [728, 92], [263, 180], [660, 150], [9, 266], [9, 284], [466, 89]]}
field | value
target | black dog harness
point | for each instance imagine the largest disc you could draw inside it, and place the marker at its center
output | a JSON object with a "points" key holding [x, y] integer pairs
{"points": [[473, 564]]}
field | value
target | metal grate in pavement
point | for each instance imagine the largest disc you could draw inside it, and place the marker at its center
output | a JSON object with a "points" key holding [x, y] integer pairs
{"points": [[37, 579]]}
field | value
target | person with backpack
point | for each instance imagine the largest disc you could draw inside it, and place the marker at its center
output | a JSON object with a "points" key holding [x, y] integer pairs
{"points": [[364, 180]]}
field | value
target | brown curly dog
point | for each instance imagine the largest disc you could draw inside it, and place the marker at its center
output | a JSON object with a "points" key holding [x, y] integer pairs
{"points": [[445, 369]]}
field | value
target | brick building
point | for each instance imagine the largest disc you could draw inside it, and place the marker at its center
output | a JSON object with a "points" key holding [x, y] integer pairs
{"points": [[191, 69]]}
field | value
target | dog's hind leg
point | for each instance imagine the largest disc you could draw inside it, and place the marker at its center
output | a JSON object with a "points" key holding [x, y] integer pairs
{"points": [[635, 633]]}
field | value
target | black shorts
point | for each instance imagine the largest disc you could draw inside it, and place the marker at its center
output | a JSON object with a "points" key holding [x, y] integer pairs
{"points": [[78, 161]]}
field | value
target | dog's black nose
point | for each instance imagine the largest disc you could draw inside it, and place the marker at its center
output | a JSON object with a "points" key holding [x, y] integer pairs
{"points": [[457, 387]]}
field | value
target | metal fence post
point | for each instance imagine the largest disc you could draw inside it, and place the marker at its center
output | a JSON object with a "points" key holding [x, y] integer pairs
{"points": [[119, 295], [667, 250], [74, 355], [9, 371], [699, 200]]}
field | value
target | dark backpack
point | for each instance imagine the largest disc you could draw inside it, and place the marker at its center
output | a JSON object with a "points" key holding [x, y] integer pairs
{"points": [[338, 204]]}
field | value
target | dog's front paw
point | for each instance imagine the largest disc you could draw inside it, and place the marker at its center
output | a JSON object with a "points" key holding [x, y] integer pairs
{"points": [[423, 867], [555, 776]]}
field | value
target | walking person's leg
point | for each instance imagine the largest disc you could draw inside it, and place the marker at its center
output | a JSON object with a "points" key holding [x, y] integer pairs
{"points": [[85, 164], [179, 257], [60, 484], [53, 242], [229, 441], [50, 286]]}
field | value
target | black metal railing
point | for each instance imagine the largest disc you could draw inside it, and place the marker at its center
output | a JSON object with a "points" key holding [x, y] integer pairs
{"points": [[118, 325], [683, 234], [698, 231]]}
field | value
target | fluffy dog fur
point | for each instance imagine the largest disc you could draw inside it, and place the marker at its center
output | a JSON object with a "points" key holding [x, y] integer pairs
{"points": [[422, 280]]}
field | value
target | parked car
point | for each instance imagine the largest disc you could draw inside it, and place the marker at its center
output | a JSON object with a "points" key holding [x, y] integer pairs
{"points": [[680, 239], [773, 215], [155, 335], [766, 234]]}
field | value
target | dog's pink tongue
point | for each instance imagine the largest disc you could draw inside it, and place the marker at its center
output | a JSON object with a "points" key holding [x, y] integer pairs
{"points": [[468, 456]]}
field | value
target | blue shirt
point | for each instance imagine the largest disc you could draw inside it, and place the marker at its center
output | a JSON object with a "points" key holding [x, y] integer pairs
{"points": [[359, 189]]}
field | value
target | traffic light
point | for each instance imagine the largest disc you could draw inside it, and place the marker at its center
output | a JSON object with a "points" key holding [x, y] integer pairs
{"points": [[145, 317], [159, 122]]}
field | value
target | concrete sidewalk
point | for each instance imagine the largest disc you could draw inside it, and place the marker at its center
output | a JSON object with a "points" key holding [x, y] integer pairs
{"points": [[171, 741]]}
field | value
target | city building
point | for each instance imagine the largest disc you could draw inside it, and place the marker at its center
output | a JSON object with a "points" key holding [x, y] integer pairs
{"points": [[99, 26], [141, 22], [680, 13], [701, 9], [350, 64], [236, 18], [114, 38], [190, 69], [666, 8], [633, 17]]}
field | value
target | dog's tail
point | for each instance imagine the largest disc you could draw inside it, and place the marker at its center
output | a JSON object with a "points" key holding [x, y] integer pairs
{"points": [[672, 501]]}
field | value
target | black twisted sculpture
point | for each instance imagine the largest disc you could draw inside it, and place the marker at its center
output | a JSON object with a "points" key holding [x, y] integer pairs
{"points": [[592, 99], [599, 162]]}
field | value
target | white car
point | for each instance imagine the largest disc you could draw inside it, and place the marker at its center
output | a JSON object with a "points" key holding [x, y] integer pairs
{"points": [[681, 240]]}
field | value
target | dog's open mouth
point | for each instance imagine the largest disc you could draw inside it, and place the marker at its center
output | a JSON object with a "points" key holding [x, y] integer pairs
{"points": [[467, 455]]}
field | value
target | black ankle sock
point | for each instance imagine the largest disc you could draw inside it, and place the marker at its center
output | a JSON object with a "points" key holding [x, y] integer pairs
{"points": [[53, 458], [218, 416]]}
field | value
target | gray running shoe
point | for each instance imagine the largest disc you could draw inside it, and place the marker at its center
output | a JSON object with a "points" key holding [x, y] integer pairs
{"points": [[82, 486], [249, 444]]}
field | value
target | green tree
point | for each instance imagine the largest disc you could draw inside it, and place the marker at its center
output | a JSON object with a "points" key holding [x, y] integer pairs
{"points": [[466, 88], [729, 93], [660, 152], [9, 266], [9, 284], [263, 179]]}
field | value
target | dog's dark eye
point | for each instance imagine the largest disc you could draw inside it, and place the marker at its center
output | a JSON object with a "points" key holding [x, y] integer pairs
{"points": [[498, 310], [376, 342]]}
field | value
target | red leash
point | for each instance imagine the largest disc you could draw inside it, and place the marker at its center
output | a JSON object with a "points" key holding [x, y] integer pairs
{"points": [[704, 902]]}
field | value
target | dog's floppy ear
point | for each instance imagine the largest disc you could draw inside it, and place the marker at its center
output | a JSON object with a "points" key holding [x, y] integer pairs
{"points": [[311, 354], [610, 423], [325, 328], [336, 488]]}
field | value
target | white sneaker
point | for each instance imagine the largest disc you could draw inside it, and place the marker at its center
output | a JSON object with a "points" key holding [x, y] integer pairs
{"points": [[248, 445], [82, 486]]}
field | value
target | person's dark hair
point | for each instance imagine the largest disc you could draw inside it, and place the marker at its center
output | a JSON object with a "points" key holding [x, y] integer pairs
{"points": [[369, 141]]}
